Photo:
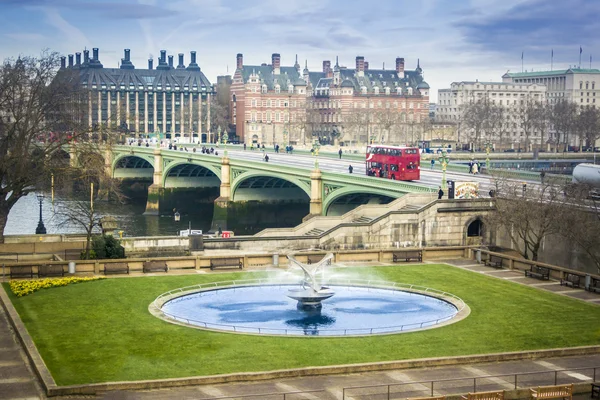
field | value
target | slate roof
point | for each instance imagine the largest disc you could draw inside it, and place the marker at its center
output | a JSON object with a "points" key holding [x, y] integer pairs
{"points": [[319, 80]]}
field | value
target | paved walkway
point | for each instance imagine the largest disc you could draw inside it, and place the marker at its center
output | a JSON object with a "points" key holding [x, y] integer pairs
{"points": [[17, 381]]}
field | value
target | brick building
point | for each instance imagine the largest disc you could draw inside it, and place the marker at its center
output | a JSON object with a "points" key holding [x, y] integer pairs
{"points": [[271, 103], [172, 100]]}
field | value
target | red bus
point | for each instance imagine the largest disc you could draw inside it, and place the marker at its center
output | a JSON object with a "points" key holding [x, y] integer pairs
{"points": [[393, 162]]}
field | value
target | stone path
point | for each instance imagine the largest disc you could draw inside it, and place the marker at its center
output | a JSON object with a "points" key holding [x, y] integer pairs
{"points": [[17, 381]]}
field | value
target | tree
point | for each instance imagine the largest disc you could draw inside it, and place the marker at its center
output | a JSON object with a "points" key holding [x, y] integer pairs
{"points": [[474, 116], [527, 213], [82, 214], [541, 121], [219, 115], [587, 126], [562, 117], [527, 117], [387, 119], [40, 111]]}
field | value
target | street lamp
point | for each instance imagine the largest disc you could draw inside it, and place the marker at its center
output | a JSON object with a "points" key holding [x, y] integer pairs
{"points": [[488, 148], [225, 139], [285, 137], [41, 229], [316, 147], [218, 135], [443, 159]]}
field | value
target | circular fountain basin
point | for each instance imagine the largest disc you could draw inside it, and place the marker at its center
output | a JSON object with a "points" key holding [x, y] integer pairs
{"points": [[354, 310]]}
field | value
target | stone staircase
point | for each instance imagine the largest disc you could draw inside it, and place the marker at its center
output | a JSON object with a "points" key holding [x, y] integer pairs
{"points": [[362, 219], [314, 232]]}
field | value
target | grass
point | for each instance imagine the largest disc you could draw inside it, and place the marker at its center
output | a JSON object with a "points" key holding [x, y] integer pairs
{"points": [[102, 331]]}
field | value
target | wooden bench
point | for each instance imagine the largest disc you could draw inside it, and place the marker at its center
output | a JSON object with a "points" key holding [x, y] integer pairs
{"points": [[570, 280], [226, 263], [155, 266], [50, 270], [538, 272], [427, 398], [315, 258], [594, 285], [407, 255], [494, 261], [21, 271], [552, 392], [494, 395], [116, 268]]}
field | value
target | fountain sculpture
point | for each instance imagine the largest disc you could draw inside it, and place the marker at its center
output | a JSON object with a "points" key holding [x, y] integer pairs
{"points": [[312, 293]]}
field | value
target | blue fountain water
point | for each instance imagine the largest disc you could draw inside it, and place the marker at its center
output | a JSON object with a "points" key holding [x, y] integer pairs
{"points": [[266, 309]]}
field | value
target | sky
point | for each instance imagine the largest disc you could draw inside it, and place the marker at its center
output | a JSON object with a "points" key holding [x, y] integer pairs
{"points": [[454, 40]]}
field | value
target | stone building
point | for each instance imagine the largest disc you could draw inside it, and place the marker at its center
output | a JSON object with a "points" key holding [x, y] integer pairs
{"points": [[579, 85], [511, 96], [170, 100], [271, 103]]}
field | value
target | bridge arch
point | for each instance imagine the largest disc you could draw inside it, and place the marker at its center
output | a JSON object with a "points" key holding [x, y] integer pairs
{"points": [[247, 186], [132, 166], [350, 191], [187, 174]]}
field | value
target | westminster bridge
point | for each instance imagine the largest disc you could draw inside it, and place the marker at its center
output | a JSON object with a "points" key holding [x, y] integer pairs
{"points": [[244, 176]]}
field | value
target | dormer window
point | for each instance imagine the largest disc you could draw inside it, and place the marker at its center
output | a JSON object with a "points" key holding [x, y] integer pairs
{"points": [[177, 87], [387, 90], [290, 89], [264, 88], [363, 89], [399, 90], [376, 89], [277, 89]]}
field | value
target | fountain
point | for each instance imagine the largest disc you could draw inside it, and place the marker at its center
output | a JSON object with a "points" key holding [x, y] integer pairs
{"points": [[312, 293], [304, 305]]}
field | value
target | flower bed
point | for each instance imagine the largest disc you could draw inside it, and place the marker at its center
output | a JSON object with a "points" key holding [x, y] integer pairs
{"points": [[23, 288]]}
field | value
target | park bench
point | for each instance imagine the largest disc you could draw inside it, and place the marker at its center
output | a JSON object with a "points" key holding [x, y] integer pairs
{"points": [[116, 268], [21, 271], [494, 261], [50, 270], [234, 262], [315, 258], [494, 395], [552, 392], [407, 255], [427, 398], [594, 285], [570, 279], [538, 272], [155, 266]]}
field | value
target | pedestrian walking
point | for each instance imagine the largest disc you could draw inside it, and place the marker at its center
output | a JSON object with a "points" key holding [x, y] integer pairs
{"points": [[471, 166], [475, 169], [340, 153], [350, 169], [542, 175], [440, 193], [432, 163], [266, 158], [244, 146]]}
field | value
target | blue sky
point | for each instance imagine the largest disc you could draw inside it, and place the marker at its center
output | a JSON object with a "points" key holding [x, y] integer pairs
{"points": [[454, 39]]}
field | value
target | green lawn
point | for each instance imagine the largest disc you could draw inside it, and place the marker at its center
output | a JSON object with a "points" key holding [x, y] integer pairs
{"points": [[102, 331]]}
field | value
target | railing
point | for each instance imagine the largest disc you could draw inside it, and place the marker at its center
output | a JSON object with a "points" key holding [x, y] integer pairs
{"points": [[267, 396], [175, 293], [445, 386]]}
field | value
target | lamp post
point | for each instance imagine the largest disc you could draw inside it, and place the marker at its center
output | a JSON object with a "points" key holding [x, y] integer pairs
{"points": [[488, 148], [218, 136], [316, 147], [225, 139], [443, 159], [41, 229]]}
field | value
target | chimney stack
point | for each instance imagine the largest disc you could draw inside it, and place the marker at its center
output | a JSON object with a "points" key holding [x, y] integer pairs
{"points": [[360, 66], [400, 67], [127, 55], [150, 62], [163, 56], [77, 59], [126, 61], [170, 62], [86, 57], [63, 62], [326, 66], [193, 65], [180, 65], [366, 65], [276, 63], [95, 50], [239, 61], [70, 60], [193, 57]]}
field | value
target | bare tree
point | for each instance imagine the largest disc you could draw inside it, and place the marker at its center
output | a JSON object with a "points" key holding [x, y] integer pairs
{"points": [[587, 126], [474, 116], [527, 213], [562, 118], [219, 115], [386, 119], [79, 214], [541, 121], [40, 111], [527, 117]]}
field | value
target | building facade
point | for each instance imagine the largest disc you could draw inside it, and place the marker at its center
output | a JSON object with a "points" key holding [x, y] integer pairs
{"points": [[339, 105], [581, 86], [511, 96], [170, 100]]}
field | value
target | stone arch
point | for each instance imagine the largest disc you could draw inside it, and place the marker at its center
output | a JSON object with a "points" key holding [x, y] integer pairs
{"points": [[239, 180], [138, 167], [474, 231], [338, 193], [149, 159], [177, 165]]}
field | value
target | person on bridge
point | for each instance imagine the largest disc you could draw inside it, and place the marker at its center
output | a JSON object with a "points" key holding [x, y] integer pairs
{"points": [[340, 153], [244, 146], [350, 169], [432, 163], [266, 158], [440, 193]]}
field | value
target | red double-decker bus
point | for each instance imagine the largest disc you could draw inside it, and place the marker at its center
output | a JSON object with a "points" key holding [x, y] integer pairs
{"points": [[394, 162]]}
